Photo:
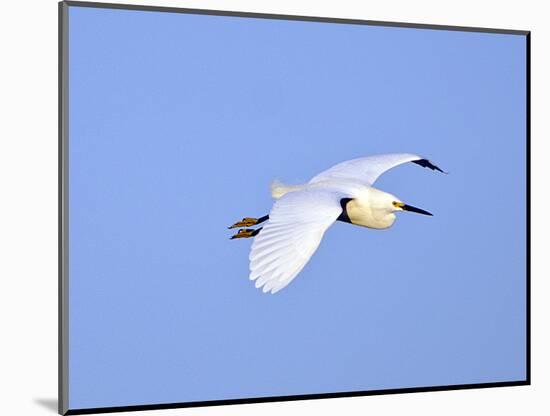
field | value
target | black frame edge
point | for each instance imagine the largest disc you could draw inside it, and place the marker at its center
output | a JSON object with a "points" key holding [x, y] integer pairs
{"points": [[275, 16], [528, 202], [63, 282], [209, 403]]}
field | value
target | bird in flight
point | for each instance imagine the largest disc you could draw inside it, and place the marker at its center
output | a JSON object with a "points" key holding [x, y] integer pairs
{"points": [[301, 214]]}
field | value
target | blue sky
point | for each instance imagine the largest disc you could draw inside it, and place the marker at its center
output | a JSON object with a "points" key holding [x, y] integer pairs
{"points": [[178, 124]]}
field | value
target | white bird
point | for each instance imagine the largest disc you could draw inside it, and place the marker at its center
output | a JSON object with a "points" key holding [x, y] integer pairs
{"points": [[302, 213]]}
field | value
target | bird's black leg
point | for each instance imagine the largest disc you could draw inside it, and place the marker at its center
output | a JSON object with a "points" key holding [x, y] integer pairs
{"points": [[246, 233]]}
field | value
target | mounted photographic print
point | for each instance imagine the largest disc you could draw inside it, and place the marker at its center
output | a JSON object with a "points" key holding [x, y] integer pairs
{"points": [[264, 207]]}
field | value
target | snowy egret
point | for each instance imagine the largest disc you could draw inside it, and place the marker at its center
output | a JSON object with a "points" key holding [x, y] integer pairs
{"points": [[302, 213]]}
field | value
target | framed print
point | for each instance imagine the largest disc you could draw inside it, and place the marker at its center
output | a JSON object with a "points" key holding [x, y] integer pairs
{"points": [[265, 207]]}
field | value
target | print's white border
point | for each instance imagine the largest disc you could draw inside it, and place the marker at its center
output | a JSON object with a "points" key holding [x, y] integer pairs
{"points": [[28, 239]]}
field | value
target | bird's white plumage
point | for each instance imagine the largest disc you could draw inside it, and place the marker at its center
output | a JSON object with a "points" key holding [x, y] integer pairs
{"points": [[293, 232], [365, 169], [302, 214]]}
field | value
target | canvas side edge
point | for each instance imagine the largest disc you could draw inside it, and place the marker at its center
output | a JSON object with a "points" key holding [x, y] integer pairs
{"points": [[63, 204]]}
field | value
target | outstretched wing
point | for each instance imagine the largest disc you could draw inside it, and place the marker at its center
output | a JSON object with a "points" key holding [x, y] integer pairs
{"points": [[368, 169], [293, 232]]}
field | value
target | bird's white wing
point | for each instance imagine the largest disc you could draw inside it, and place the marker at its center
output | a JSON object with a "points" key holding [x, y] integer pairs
{"points": [[368, 169], [293, 232]]}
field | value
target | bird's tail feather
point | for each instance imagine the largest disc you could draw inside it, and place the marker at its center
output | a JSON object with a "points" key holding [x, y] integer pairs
{"points": [[278, 189]]}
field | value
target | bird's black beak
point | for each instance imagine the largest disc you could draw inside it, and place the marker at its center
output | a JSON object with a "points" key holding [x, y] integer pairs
{"points": [[410, 208]]}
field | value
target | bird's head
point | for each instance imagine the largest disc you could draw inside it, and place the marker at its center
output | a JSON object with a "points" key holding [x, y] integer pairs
{"points": [[377, 209]]}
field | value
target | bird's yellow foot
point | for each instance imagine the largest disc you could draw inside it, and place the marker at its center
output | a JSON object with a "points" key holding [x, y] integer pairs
{"points": [[245, 222], [246, 233]]}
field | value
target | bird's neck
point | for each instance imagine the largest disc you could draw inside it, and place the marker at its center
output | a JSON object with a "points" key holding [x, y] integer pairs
{"points": [[367, 210]]}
